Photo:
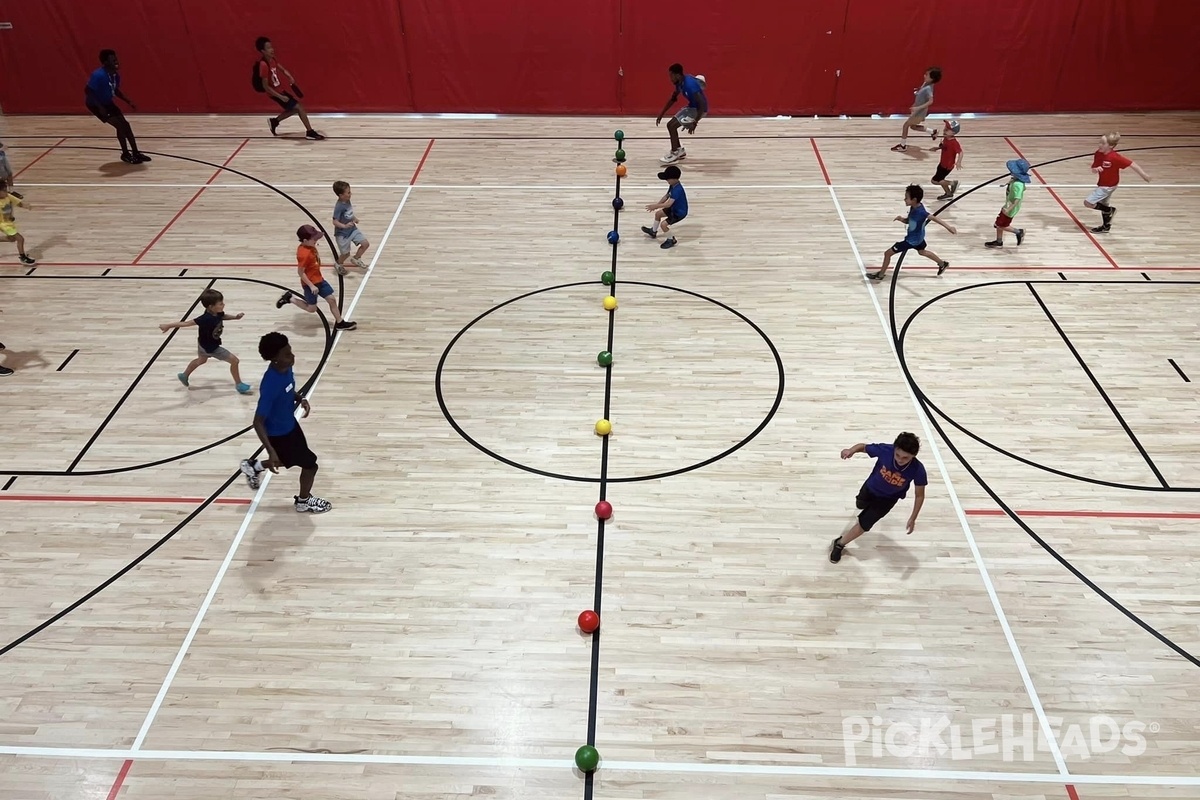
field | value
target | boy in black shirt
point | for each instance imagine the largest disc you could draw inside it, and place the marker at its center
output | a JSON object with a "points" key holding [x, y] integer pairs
{"points": [[211, 323]]}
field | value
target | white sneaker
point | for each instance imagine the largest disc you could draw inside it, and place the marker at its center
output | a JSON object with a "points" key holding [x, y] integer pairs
{"points": [[358, 262], [673, 156], [313, 505], [340, 269], [251, 474]]}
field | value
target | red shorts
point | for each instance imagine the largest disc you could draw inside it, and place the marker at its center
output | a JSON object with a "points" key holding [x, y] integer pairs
{"points": [[1003, 220]]}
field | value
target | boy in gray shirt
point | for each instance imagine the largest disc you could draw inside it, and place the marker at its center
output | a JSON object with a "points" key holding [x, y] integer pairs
{"points": [[920, 110], [346, 232]]}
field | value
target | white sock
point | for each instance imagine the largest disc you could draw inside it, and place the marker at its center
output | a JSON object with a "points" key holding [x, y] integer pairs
{"points": [[654, 227], [258, 466]]}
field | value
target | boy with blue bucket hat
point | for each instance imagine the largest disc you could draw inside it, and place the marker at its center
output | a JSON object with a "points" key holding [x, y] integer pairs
{"points": [[1018, 170]]}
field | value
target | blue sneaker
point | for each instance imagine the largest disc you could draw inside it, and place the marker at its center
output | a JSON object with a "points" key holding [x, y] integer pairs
{"points": [[243, 388], [669, 243], [183, 378]]}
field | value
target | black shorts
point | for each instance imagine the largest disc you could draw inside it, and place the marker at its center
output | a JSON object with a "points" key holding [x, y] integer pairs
{"points": [[872, 507], [673, 219], [106, 112], [292, 449], [941, 173], [289, 104], [903, 247]]}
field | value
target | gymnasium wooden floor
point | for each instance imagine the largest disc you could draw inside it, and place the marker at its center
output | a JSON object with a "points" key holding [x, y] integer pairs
{"points": [[419, 641]]}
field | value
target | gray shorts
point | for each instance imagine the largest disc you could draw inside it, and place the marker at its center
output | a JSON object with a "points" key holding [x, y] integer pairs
{"points": [[220, 354], [5, 168], [1101, 194], [686, 116], [344, 242]]}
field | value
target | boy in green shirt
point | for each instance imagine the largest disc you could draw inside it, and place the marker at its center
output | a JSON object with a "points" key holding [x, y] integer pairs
{"points": [[1018, 168]]}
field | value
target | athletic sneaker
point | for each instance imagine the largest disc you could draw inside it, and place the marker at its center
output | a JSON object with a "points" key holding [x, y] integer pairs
{"points": [[128, 158], [899, 148], [994, 243], [953, 188], [26, 260], [358, 262], [346, 325], [243, 388], [1102, 229], [943, 266], [312, 505], [183, 378], [339, 269], [835, 552], [141, 157], [274, 123], [5, 372], [653, 234], [669, 243], [673, 156], [1020, 235], [311, 134], [283, 301], [247, 468]]}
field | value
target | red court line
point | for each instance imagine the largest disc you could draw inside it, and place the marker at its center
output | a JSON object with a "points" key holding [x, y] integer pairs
{"points": [[188, 204], [94, 498], [996, 512], [820, 161], [116, 787], [1071, 793], [163, 264], [45, 153], [421, 163], [1065, 208]]}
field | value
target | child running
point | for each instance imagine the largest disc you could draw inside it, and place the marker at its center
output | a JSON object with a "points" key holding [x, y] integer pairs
{"points": [[8, 224], [313, 285], [346, 232], [914, 239], [692, 87], [1108, 163], [670, 210], [896, 466], [1018, 170], [920, 110], [210, 324], [950, 160]]}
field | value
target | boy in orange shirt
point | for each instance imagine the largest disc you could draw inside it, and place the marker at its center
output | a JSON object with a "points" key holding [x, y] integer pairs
{"points": [[308, 262], [1108, 163]]}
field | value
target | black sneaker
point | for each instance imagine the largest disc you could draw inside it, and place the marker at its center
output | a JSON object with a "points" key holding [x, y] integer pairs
{"points": [[283, 301], [953, 188], [945, 196], [653, 234], [1101, 229], [942, 267], [1020, 235], [5, 372], [835, 552], [900, 148], [669, 243], [994, 243], [311, 134], [274, 123], [26, 260], [129, 158], [346, 325], [311, 505], [142, 157]]}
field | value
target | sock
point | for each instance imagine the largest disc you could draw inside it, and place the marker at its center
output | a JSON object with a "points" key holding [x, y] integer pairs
{"points": [[654, 227], [259, 466]]}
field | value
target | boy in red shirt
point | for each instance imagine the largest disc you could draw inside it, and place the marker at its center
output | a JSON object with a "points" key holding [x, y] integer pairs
{"points": [[1108, 163], [267, 80], [314, 286], [951, 158]]}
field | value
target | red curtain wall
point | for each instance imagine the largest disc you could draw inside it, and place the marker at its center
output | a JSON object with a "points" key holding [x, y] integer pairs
{"points": [[761, 57]]}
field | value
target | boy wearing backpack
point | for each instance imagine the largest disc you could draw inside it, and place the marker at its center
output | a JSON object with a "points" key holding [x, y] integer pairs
{"points": [[267, 78]]}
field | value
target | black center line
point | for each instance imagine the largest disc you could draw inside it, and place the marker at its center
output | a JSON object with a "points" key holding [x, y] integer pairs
{"points": [[1186, 379], [9, 483], [63, 365]]}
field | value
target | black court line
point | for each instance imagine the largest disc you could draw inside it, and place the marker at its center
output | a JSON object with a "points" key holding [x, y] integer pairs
{"points": [[9, 483], [31, 271], [63, 365], [932, 414], [1061, 276], [1186, 379], [1144, 275], [182, 272], [102, 274], [597, 601], [116, 408], [1096, 383], [320, 368]]}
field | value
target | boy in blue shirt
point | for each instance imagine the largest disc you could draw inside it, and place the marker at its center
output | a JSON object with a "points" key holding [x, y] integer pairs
{"points": [[896, 466], [692, 87], [671, 209], [99, 95], [914, 239], [211, 325], [277, 428], [345, 229]]}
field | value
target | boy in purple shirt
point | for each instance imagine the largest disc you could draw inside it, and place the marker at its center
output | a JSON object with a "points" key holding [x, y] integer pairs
{"points": [[896, 466]]}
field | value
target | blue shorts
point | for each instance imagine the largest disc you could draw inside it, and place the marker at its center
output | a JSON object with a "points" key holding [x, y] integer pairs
{"points": [[900, 247], [323, 287]]}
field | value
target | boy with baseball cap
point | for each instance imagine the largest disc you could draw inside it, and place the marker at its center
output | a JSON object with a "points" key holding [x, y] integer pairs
{"points": [[308, 264], [671, 209]]}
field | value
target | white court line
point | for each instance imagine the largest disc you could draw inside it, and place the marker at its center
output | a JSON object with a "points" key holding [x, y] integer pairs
{"points": [[237, 540], [710, 768], [560, 188], [1047, 731]]}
